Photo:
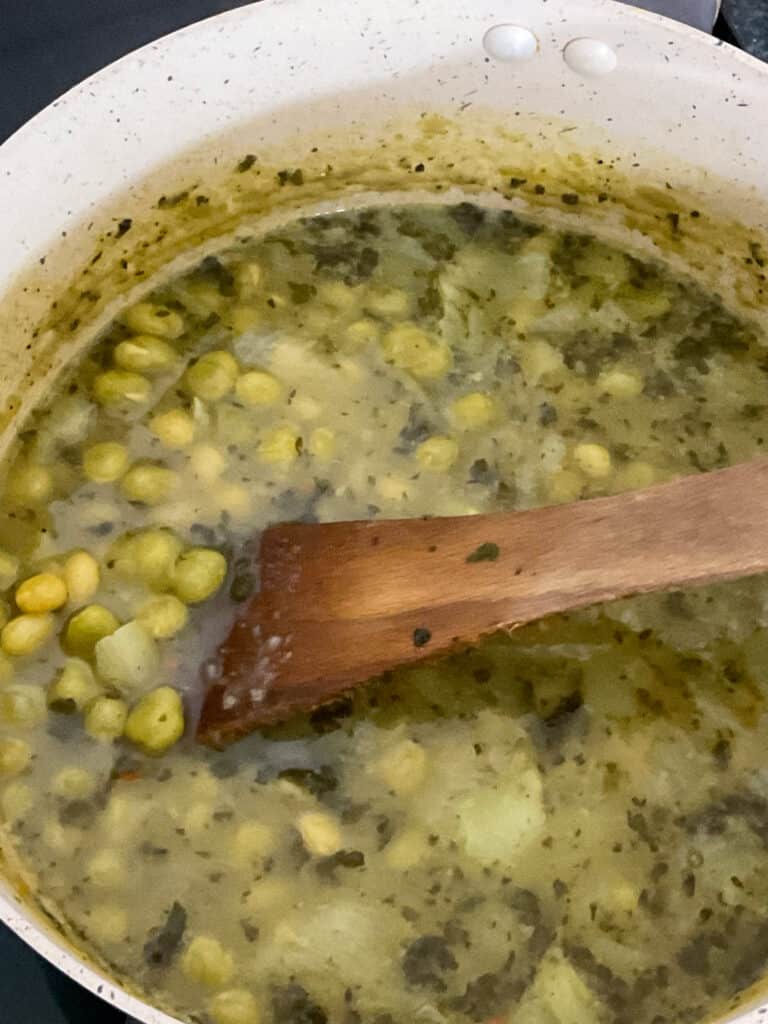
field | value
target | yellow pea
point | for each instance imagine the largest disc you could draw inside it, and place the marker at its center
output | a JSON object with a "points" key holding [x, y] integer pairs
{"points": [[105, 718], [279, 446], [151, 318], [322, 443], [107, 869], [235, 1006], [73, 783], [565, 485], [388, 302], [474, 410], [156, 722], [207, 962], [212, 376], [207, 463], [234, 499], [61, 839], [15, 756], [593, 460], [253, 840], [338, 294], [117, 387], [82, 576], [411, 348], [74, 688], [257, 387], [320, 833], [437, 454], [198, 574], [406, 850], [403, 768], [148, 483], [163, 616], [105, 462], [30, 484], [149, 555], [175, 428], [248, 277], [361, 333], [25, 634], [242, 318], [145, 354], [23, 705], [635, 475], [620, 383], [86, 627], [108, 923], [44, 592], [17, 801]]}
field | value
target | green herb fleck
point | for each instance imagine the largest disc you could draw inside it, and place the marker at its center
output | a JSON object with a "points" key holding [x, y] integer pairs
{"points": [[301, 291], [246, 163], [487, 552], [167, 202], [290, 177]]}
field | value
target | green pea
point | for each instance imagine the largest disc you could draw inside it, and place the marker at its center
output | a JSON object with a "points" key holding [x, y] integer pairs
{"points": [[86, 627], [149, 555], [157, 721], [145, 354], [212, 376], [121, 387], [105, 462], [148, 483], [198, 574]]}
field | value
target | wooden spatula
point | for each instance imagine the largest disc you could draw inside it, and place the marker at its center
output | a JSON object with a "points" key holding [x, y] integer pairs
{"points": [[342, 602]]}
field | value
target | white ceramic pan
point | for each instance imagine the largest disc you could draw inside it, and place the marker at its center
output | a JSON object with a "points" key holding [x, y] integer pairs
{"points": [[657, 130]]}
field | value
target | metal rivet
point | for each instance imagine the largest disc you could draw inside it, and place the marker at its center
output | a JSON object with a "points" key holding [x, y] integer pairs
{"points": [[513, 44], [590, 57]]}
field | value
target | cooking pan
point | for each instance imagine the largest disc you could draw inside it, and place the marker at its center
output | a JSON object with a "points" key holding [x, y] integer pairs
{"points": [[578, 111]]}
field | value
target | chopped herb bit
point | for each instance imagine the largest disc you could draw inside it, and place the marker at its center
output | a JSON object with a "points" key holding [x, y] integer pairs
{"points": [[301, 291], [246, 163], [487, 552], [290, 177], [164, 942]]}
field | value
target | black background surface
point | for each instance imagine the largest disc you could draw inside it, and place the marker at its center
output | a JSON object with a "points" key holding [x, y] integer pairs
{"points": [[47, 46]]}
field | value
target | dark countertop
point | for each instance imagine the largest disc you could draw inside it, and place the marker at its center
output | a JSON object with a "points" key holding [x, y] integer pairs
{"points": [[748, 21], [45, 48]]}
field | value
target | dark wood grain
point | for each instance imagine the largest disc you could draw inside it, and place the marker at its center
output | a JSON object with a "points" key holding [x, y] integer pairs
{"points": [[342, 602]]}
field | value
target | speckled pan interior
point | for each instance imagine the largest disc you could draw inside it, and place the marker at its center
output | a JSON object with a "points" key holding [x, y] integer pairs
{"points": [[200, 135]]}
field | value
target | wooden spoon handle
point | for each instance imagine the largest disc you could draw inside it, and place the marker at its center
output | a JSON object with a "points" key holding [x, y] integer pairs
{"points": [[342, 602], [467, 575]]}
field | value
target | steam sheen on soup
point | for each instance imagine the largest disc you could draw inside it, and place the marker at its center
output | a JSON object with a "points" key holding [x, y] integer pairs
{"points": [[568, 825]]}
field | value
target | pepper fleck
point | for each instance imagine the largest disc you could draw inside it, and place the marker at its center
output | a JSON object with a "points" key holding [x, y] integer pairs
{"points": [[421, 636]]}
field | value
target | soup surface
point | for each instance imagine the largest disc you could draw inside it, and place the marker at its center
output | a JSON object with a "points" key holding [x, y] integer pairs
{"points": [[568, 825]]}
